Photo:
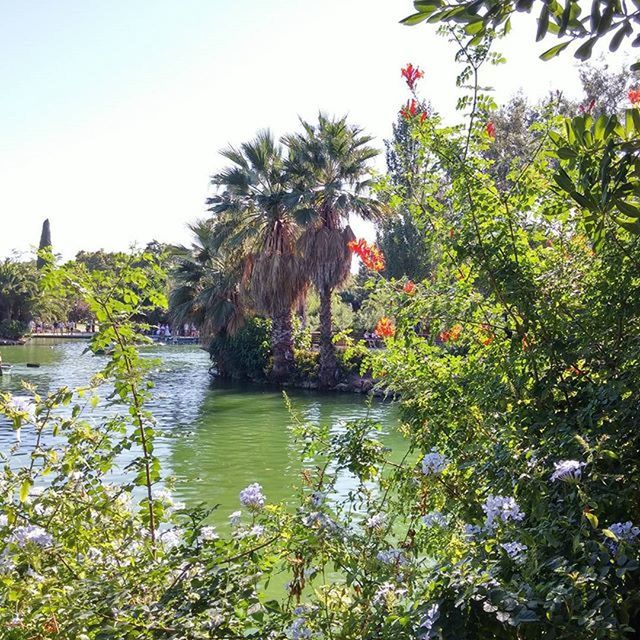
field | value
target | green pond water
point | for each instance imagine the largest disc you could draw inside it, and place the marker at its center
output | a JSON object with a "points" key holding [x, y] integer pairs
{"points": [[214, 438]]}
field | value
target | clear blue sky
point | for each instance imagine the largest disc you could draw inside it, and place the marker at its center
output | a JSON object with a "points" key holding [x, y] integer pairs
{"points": [[112, 113]]}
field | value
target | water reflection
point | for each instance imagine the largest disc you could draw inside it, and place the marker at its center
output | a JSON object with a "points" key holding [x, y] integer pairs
{"points": [[215, 439]]}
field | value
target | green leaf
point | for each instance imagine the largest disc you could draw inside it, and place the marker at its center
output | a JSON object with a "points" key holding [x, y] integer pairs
{"points": [[609, 534], [555, 50], [583, 52], [416, 18], [624, 31], [593, 519], [25, 487], [566, 153], [631, 227], [543, 23], [633, 211], [595, 14], [474, 27]]}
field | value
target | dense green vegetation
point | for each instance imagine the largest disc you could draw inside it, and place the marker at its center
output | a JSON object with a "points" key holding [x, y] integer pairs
{"points": [[511, 338]]}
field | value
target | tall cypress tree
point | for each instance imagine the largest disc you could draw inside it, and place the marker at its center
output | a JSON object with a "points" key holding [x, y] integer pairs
{"points": [[45, 241]]}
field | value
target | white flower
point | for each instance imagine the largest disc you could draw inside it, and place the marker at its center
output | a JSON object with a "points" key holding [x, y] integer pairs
{"points": [[234, 518], [208, 533], [377, 521], [567, 470], [23, 405], [166, 498], [31, 533], [171, 538]]}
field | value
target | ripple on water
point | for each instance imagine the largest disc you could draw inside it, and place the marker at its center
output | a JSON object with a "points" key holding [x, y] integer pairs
{"points": [[215, 439]]}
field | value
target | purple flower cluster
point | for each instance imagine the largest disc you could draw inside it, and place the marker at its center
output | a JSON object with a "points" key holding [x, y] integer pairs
{"points": [[515, 550], [567, 471], [252, 497], [471, 531], [31, 534], [625, 532], [434, 463], [501, 508], [435, 519], [392, 556]]}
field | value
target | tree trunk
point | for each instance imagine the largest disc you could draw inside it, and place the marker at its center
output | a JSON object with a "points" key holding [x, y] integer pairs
{"points": [[328, 361], [282, 346]]}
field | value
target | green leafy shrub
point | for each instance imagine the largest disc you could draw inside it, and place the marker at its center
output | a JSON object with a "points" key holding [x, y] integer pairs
{"points": [[13, 329], [307, 365], [245, 355]]}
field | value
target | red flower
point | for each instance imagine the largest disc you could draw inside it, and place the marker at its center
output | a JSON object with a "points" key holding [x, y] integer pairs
{"points": [[451, 335], [371, 256], [423, 116], [411, 74], [385, 328], [491, 129], [634, 96], [487, 336], [410, 109], [587, 108], [409, 287]]}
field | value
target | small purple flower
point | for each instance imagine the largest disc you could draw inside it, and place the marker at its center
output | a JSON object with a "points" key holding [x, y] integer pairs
{"points": [[377, 521], [208, 533], [317, 498], [515, 550], [392, 556], [471, 531], [625, 532], [434, 463], [426, 629], [435, 519], [252, 497], [234, 518], [567, 471], [502, 508]]}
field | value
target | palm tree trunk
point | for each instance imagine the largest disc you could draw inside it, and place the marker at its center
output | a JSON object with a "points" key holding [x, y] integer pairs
{"points": [[282, 346], [328, 376]]}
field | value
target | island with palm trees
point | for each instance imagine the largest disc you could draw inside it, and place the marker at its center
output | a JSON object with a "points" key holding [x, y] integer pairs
{"points": [[279, 232]]}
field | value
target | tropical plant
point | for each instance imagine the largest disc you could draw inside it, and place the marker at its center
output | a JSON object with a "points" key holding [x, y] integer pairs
{"points": [[254, 213], [330, 167], [486, 17], [206, 285]]}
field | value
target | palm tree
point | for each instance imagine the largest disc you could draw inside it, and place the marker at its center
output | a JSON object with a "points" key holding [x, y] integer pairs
{"points": [[329, 165], [254, 212], [206, 285]]}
